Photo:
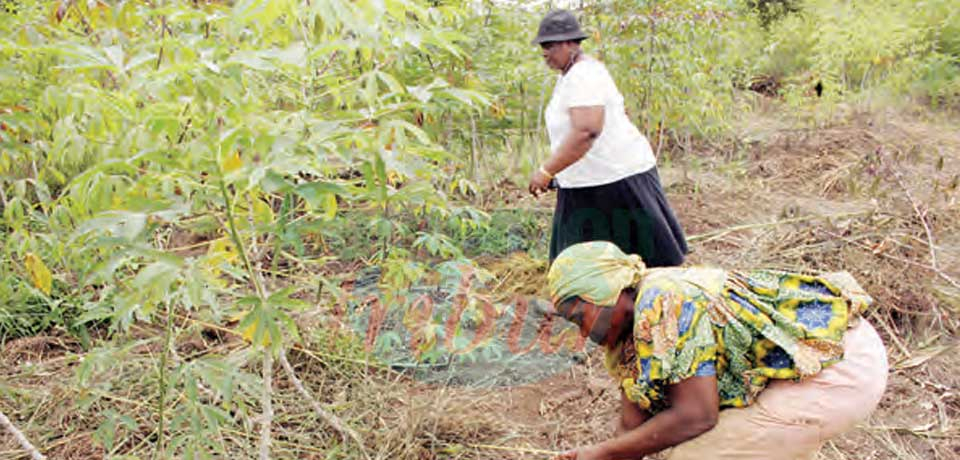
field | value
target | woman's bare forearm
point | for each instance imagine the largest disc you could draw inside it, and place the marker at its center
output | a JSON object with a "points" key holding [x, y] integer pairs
{"points": [[694, 410], [664, 430], [631, 415]]}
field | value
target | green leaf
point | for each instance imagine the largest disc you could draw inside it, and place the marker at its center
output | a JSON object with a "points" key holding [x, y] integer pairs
{"points": [[261, 11], [123, 225], [315, 193], [289, 324], [156, 277], [252, 59], [392, 83], [282, 297], [273, 182], [470, 98], [370, 90], [115, 56], [294, 55]]}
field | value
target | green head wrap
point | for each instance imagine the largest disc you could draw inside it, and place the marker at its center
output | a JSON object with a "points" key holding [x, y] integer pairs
{"points": [[596, 272]]}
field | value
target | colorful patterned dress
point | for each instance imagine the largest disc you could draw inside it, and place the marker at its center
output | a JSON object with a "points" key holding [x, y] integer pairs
{"points": [[742, 327]]}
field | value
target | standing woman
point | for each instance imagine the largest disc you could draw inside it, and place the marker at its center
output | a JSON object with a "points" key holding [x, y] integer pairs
{"points": [[609, 188]]}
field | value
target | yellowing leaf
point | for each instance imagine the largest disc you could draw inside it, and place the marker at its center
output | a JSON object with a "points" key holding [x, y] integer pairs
{"points": [[232, 162], [39, 273], [497, 110], [249, 331], [330, 206], [262, 213], [222, 249], [219, 253], [5, 162], [453, 449], [238, 316], [394, 178]]}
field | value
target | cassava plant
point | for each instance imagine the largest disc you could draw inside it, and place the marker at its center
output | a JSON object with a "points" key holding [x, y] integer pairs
{"points": [[174, 160]]}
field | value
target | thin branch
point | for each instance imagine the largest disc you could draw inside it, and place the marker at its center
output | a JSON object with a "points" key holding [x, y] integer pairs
{"points": [[183, 132], [524, 450], [345, 431], [266, 399], [474, 167], [162, 381], [878, 254], [893, 335], [922, 215], [18, 435], [235, 237], [266, 396], [535, 152], [710, 236], [163, 29], [532, 209], [656, 154]]}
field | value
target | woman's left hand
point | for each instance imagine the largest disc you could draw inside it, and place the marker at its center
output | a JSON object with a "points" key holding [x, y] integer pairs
{"points": [[538, 183]]}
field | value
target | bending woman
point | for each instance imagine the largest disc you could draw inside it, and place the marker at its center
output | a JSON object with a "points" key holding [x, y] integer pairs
{"points": [[607, 176], [722, 364]]}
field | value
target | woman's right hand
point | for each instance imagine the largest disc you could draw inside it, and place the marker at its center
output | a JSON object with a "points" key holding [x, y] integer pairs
{"points": [[591, 452], [539, 183]]}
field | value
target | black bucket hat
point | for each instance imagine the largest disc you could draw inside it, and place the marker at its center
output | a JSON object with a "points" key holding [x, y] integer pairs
{"points": [[559, 26]]}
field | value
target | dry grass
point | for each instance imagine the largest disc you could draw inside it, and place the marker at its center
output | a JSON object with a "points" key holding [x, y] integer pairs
{"points": [[854, 169], [782, 187]]}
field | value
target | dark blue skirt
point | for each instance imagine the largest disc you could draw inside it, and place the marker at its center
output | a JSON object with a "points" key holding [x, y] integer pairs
{"points": [[632, 212]]}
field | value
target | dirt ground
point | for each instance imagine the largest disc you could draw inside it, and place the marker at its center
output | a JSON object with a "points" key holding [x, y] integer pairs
{"points": [[917, 418]]}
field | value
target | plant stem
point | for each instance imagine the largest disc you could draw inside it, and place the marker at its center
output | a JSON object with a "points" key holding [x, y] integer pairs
{"points": [[534, 153], [18, 435], [473, 150], [163, 28], [523, 120], [235, 237], [254, 242], [267, 402], [389, 233], [281, 225], [345, 431], [267, 392], [164, 357], [651, 36]]}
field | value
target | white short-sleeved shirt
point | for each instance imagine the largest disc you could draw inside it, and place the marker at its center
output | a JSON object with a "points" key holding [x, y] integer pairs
{"points": [[620, 150]]}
